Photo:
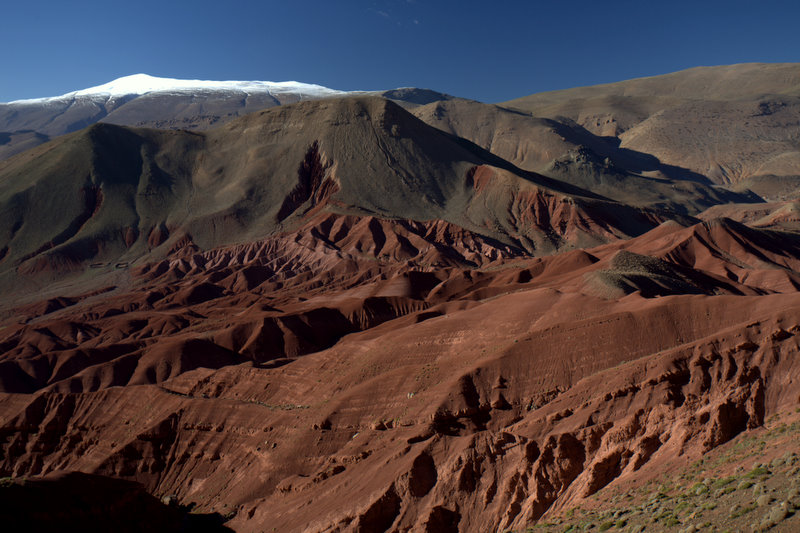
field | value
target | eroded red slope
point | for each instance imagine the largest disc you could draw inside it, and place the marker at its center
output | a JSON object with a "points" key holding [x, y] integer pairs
{"points": [[363, 374]]}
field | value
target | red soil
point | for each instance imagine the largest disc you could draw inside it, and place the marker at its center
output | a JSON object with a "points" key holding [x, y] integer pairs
{"points": [[364, 374]]}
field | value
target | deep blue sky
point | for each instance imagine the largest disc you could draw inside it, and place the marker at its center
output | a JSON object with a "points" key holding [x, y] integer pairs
{"points": [[489, 51]]}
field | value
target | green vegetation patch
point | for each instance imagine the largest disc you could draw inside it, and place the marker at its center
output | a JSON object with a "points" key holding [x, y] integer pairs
{"points": [[723, 482], [758, 472]]}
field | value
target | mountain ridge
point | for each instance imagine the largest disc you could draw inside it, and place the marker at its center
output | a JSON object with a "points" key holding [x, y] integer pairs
{"points": [[736, 125], [416, 313], [635, 125], [166, 103], [141, 84], [122, 191]]}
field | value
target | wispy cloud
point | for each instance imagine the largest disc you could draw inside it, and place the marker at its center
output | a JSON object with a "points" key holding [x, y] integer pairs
{"points": [[383, 10], [379, 12]]}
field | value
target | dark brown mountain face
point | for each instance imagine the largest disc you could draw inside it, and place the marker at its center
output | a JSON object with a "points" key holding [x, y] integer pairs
{"points": [[310, 185], [83, 502], [109, 195], [348, 314]]}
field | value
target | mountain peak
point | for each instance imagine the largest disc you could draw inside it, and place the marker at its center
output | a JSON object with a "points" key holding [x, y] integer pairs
{"points": [[141, 84]]}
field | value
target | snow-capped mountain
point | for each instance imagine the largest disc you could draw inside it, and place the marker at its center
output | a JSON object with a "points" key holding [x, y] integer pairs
{"points": [[143, 84], [142, 100], [147, 101]]}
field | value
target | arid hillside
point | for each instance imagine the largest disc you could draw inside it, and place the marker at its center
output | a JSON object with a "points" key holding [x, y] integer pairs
{"points": [[110, 194], [735, 124], [350, 315]]}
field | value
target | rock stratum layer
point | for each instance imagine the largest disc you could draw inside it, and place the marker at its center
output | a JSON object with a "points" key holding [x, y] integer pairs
{"points": [[332, 316]]}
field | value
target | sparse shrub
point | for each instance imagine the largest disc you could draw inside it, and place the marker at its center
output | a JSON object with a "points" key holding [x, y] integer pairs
{"points": [[606, 526], [719, 483], [741, 511], [758, 472]]}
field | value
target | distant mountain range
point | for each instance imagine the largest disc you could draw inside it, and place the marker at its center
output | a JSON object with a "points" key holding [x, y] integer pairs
{"points": [[400, 154], [165, 103], [735, 125]]}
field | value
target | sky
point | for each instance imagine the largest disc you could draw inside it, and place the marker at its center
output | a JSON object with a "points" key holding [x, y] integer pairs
{"points": [[487, 51]]}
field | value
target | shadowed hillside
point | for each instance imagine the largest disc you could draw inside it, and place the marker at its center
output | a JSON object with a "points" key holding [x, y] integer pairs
{"points": [[355, 316], [113, 194]]}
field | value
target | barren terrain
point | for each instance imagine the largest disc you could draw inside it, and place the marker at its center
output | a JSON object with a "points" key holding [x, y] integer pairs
{"points": [[349, 315]]}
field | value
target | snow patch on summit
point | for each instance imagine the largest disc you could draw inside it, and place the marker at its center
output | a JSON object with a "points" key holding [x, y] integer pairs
{"points": [[141, 84]]}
